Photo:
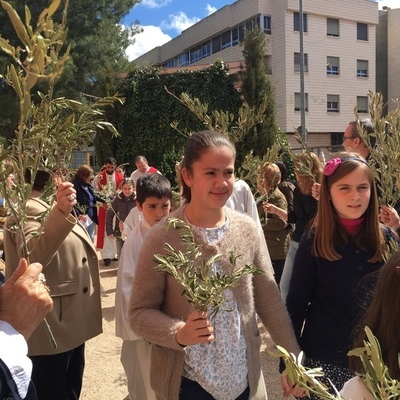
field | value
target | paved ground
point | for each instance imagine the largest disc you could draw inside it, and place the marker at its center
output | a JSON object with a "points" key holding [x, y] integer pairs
{"points": [[104, 377]]}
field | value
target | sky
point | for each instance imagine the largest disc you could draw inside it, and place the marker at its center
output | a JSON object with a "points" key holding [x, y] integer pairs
{"points": [[162, 20]]}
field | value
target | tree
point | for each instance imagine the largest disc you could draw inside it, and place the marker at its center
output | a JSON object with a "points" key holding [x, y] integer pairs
{"points": [[145, 119], [98, 43], [257, 88], [49, 129], [97, 39]]}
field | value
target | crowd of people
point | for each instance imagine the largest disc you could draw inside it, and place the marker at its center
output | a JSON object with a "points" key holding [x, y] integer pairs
{"points": [[318, 242]]}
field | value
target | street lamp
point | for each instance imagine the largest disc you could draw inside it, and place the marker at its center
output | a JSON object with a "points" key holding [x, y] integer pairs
{"points": [[302, 92]]}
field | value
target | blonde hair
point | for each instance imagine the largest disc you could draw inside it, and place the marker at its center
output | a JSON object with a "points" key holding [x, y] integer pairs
{"points": [[308, 169], [269, 175]]}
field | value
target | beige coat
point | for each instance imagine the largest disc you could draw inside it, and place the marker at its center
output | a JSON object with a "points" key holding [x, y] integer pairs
{"points": [[70, 265], [157, 307]]}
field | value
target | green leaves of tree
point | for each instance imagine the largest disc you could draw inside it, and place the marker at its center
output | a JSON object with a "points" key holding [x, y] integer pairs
{"points": [[385, 153]]}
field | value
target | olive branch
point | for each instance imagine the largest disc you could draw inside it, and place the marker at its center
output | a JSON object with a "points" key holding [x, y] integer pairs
{"points": [[305, 378], [202, 287], [375, 374], [384, 147], [48, 128]]}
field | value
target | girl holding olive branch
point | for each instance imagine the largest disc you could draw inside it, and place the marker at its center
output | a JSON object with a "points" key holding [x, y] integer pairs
{"points": [[335, 266], [196, 355]]}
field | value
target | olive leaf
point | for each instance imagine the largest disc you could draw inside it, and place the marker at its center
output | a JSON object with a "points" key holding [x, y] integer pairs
{"points": [[384, 147], [375, 373], [202, 287], [305, 378], [48, 129]]}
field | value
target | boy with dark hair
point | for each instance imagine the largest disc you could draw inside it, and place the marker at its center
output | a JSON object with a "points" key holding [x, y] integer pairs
{"points": [[153, 199]]}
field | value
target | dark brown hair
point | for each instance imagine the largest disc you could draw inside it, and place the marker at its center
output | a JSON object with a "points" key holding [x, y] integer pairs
{"points": [[382, 317], [196, 145], [83, 172]]}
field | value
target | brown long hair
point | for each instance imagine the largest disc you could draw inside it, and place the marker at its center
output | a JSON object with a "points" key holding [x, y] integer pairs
{"points": [[83, 172], [328, 232], [382, 317]]}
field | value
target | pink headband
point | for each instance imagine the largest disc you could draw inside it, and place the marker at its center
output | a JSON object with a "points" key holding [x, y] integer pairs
{"points": [[332, 164]]}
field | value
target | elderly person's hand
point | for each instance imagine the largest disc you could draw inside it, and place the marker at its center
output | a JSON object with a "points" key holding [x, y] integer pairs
{"points": [[66, 197], [389, 216], [24, 299]]}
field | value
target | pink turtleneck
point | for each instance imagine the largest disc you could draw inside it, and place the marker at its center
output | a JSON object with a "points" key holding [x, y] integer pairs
{"points": [[351, 225]]}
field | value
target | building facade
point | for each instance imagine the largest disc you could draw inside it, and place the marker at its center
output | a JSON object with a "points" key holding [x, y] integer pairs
{"points": [[393, 52], [388, 56], [339, 57]]}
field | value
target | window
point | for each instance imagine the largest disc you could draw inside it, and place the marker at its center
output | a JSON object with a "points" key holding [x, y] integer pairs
{"points": [[216, 44], [251, 24], [206, 49], [297, 62], [267, 24], [332, 103], [297, 101], [241, 33], [168, 64], [362, 31], [296, 22], [332, 27], [362, 104], [332, 65], [183, 59], [226, 40], [336, 138], [235, 36], [362, 68], [195, 54]]}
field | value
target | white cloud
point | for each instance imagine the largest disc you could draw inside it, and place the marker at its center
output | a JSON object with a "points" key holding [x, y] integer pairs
{"points": [[179, 22], [210, 9], [389, 3], [152, 36], [154, 3]]}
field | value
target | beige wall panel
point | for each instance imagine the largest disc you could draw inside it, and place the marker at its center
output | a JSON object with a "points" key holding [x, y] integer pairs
{"points": [[393, 58]]}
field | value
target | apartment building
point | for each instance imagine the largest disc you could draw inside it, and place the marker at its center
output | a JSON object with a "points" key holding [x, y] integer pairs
{"points": [[388, 56], [339, 53]]}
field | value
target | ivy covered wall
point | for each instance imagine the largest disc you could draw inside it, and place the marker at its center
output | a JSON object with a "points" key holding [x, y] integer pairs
{"points": [[144, 120]]}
